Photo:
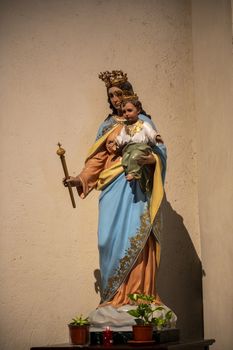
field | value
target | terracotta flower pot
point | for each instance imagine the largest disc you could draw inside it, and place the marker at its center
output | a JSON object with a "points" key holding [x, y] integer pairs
{"points": [[79, 335], [142, 332]]}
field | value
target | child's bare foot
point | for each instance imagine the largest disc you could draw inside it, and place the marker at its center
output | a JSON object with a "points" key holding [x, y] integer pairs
{"points": [[129, 177]]}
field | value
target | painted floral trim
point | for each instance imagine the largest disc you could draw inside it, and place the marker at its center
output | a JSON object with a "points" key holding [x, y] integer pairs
{"points": [[137, 242]]}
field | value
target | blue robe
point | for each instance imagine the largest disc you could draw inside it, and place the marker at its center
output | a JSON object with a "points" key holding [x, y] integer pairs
{"points": [[124, 222]]}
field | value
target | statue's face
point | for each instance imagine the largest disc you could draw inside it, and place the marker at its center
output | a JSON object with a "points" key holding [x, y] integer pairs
{"points": [[116, 96], [130, 113]]}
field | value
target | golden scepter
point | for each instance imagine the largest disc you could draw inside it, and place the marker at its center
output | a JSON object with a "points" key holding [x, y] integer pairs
{"points": [[60, 153]]}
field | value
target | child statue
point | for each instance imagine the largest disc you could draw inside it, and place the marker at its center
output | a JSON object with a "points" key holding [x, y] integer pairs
{"points": [[135, 139]]}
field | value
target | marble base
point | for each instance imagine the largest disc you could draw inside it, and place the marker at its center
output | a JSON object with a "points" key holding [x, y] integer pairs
{"points": [[119, 320]]}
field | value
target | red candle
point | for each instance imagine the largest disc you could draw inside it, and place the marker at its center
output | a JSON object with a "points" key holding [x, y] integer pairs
{"points": [[107, 337]]}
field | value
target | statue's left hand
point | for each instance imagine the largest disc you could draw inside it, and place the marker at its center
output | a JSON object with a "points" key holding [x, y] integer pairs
{"points": [[144, 160]]}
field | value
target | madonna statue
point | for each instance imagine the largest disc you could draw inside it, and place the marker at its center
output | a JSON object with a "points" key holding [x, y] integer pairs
{"points": [[129, 225]]}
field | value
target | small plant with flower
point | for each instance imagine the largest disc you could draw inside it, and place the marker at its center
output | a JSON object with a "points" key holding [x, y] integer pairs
{"points": [[79, 330], [80, 321]]}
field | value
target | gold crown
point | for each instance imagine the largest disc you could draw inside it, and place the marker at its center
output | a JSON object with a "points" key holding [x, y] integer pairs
{"points": [[127, 96], [113, 78]]}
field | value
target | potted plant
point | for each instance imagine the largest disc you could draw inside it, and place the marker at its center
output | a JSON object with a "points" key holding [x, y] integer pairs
{"points": [[79, 330], [144, 316], [163, 321]]}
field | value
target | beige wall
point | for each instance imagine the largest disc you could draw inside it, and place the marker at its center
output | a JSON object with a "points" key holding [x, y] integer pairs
{"points": [[212, 49], [51, 54]]}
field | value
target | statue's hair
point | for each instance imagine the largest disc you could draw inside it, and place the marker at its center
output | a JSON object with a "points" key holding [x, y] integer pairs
{"points": [[137, 104], [134, 102]]}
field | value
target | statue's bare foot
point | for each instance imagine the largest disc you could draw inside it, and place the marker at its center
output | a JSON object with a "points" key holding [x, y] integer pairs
{"points": [[129, 177]]}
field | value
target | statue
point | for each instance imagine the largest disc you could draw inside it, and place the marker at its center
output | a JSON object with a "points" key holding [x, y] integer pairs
{"points": [[129, 213], [135, 140]]}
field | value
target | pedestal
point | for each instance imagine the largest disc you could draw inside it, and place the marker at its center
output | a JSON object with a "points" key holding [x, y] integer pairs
{"points": [[188, 345]]}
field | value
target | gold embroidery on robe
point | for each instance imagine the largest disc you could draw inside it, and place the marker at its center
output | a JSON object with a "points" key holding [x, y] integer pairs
{"points": [[133, 129], [136, 244]]}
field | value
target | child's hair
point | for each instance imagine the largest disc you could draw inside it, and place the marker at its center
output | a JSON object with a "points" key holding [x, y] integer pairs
{"points": [[134, 102]]}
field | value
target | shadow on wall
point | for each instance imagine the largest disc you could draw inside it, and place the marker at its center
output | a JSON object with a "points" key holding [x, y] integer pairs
{"points": [[180, 275]]}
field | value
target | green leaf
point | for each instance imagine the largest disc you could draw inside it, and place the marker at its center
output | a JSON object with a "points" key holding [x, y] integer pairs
{"points": [[134, 313], [159, 308], [80, 321], [168, 315]]}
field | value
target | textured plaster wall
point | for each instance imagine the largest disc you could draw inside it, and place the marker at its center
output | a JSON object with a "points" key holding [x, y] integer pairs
{"points": [[212, 49], [51, 54]]}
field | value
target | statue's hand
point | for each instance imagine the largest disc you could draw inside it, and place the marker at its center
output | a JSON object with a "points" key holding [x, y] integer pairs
{"points": [[111, 146], [144, 160], [73, 181]]}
